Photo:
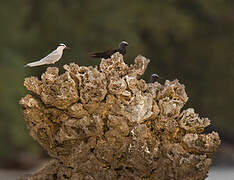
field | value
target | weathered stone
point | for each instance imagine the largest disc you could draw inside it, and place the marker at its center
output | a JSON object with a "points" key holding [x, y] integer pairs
{"points": [[110, 124]]}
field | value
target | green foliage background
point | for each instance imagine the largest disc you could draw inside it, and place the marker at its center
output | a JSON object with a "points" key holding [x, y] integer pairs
{"points": [[185, 39]]}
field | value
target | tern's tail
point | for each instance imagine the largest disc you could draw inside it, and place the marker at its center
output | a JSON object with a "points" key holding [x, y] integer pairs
{"points": [[37, 63]]}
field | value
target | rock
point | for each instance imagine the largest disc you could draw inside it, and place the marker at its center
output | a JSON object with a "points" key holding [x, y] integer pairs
{"points": [[110, 124]]}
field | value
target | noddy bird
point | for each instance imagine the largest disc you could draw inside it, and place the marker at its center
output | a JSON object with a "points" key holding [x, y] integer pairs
{"points": [[50, 58], [154, 78], [107, 54]]}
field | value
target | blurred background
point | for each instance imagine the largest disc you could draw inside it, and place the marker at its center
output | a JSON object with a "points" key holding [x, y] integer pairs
{"points": [[192, 41]]}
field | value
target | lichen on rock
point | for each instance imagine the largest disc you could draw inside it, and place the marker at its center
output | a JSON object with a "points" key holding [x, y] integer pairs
{"points": [[107, 123]]}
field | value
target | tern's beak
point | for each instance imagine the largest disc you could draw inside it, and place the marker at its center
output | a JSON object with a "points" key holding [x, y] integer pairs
{"points": [[67, 47]]}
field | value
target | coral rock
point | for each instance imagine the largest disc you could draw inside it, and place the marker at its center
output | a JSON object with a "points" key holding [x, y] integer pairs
{"points": [[110, 124]]}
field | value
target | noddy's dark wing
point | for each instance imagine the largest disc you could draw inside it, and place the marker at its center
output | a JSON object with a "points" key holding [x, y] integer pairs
{"points": [[105, 54]]}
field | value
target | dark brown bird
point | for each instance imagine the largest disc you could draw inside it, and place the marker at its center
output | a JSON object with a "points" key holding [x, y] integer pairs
{"points": [[154, 78], [107, 54]]}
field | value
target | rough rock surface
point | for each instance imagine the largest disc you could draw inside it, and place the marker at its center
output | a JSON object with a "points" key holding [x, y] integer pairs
{"points": [[108, 124]]}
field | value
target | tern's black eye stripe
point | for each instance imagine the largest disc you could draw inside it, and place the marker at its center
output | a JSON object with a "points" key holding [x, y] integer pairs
{"points": [[62, 45]]}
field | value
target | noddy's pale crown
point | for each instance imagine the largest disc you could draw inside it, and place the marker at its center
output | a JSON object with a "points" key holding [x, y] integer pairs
{"points": [[154, 78]]}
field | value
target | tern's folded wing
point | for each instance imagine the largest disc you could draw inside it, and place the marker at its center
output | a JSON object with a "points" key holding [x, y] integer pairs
{"points": [[52, 57]]}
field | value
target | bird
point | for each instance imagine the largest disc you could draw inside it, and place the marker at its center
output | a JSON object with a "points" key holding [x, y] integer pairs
{"points": [[107, 54], [50, 58], [154, 78]]}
